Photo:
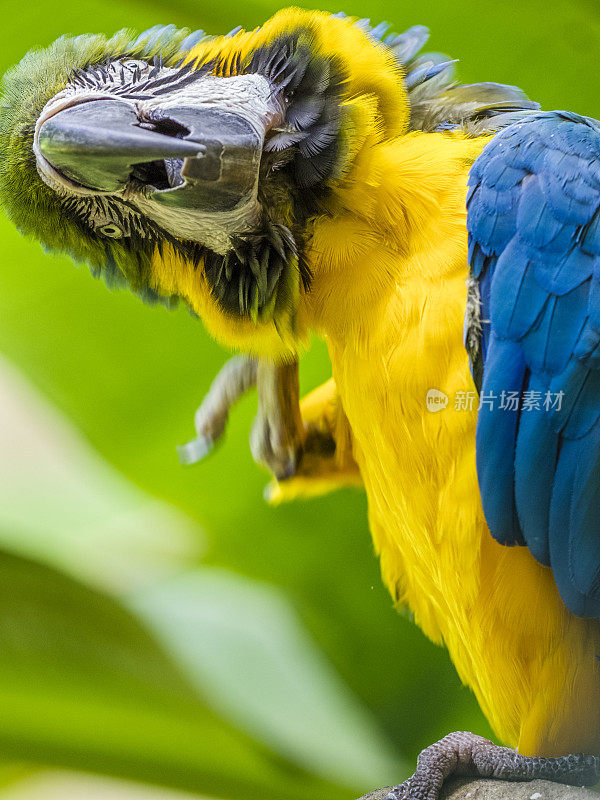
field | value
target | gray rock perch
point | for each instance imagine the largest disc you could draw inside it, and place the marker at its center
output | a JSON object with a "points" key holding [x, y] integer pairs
{"points": [[465, 789]]}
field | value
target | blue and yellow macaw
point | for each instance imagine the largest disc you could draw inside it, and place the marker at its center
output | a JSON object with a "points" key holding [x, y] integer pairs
{"points": [[318, 175]]}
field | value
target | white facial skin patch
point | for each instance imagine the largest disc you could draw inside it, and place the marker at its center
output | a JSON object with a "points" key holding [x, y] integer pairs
{"points": [[249, 98]]}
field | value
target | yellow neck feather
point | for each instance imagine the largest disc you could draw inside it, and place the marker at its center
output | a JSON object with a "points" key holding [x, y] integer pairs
{"points": [[397, 222]]}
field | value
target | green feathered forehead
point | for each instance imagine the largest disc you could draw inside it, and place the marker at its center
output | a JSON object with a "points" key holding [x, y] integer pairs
{"points": [[26, 88]]}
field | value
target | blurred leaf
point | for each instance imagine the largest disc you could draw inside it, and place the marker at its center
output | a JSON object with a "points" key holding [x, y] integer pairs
{"points": [[244, 646], [60, 502], [240, 642], [82, 684], [63, 785]]}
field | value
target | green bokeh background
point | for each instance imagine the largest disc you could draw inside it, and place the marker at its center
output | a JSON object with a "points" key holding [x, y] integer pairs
{"points": [[211, 644]]}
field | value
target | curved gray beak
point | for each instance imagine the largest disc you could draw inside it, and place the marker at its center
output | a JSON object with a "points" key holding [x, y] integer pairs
{"points": [[196, 157]]}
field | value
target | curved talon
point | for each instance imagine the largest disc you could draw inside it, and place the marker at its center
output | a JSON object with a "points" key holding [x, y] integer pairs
{"points": [[277, 436], [195, 450], [378, 794], [281, 458], [401, 792], [232, 381]]}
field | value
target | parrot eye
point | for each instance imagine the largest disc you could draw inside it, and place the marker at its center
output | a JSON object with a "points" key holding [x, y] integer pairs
{"points": [[135, 66], [111, 230]]}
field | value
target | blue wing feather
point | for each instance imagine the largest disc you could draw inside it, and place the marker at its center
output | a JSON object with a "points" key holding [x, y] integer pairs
{"points": [[558, 529], [495, 465], [533, 490], [534, 249]]}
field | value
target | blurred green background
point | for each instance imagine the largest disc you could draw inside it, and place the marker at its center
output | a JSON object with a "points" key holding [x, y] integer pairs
{"points": [[164, 633]]}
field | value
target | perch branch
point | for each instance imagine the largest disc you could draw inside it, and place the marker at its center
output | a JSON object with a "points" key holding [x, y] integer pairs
{"points": [[466, 789]]}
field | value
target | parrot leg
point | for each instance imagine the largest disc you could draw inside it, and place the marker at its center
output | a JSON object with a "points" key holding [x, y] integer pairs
{"points": [[465, 754], [277, 433]]}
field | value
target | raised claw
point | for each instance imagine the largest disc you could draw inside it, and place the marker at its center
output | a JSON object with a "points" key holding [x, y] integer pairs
{"points": [[195, 450], [233, 380], [277, 435]]}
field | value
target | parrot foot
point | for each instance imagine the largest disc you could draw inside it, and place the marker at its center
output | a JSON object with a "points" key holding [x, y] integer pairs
{"points": [[235, 378], [465, 754], [277, 435]]}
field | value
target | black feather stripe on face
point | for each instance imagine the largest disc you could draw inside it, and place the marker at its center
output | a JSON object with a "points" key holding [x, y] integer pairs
{"points": [[136, 85], [312, 86], [245, 280]]}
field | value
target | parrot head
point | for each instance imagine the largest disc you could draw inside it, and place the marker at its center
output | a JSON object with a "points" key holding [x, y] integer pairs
{"points": [[187, 166]]}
